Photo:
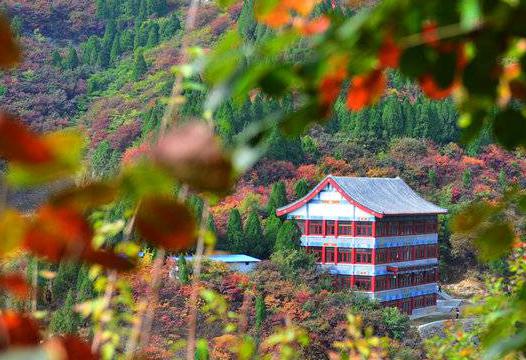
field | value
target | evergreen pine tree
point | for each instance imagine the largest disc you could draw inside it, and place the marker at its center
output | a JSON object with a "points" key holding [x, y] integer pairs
{"points": [[467, 179], [65, 279], [65, 320], [272, 225], [153, 35], [234, 232], [170, 27], [126, 41], [261, 311], [139, 66], [183, 275], [288, 237], [195, 203], [256, 244], [103, 58], [432, 177], [71, 61], [211, 224], [84, 285], [247, 20], [503, 181], [56, 58], [277, 198], [301, 188], [115, 50], [17, 26]]}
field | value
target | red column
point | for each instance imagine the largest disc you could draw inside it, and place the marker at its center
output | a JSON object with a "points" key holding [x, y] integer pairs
{"points": [[324, 228], [374, 229], [336, 255], [353, 256], [373, 256], [336, 228], [373, 283], [307, 224], [353, 228], [352, 281], [323, 254], [413, 252]]}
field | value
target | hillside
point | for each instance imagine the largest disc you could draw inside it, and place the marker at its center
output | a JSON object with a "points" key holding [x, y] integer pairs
{"points": [[107, 67]]}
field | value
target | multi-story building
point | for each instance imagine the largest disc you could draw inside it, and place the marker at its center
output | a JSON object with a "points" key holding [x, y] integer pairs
{"points": [[375, 235]]}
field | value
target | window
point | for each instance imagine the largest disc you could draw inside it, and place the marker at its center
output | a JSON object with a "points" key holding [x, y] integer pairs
{"points": [[420, 252], [331, 227], [393, 228], [316, 251], [344, 228], [344, 255], [363, 256], [407, 228], [343, 281], [394, 254], [364, 228], [406, 253], [382, 229], [315, 227], [329, 255], [362, 283], [382, 283], [381, 255]]}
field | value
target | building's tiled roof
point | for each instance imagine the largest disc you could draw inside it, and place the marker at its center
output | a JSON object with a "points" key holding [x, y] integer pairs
{"points": [[380, 196], [388, 196], [228, 258]]}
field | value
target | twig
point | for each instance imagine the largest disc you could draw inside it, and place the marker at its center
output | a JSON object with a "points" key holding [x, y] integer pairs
{"points": [[196, 274], [108, 293]]}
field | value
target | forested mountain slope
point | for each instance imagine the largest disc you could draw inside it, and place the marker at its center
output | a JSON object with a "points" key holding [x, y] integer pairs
{"points": [[108, 65]]}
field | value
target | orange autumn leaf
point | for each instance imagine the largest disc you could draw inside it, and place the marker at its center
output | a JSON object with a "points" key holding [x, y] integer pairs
{"points": [[432, 90], [314, 26], [10, 53], [16, 285], [194, 155], [18, 143], [365, 90], [430, 33], [17, 330], [276, 18], [166, 223], [389, 54], [302, 7], [59, 233], [70, 347]]}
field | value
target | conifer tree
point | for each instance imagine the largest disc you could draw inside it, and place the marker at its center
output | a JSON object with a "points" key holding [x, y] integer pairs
{"points": [[211, 224], [254, 239], [261, 312], [247, 20], [195, 203], [467, 179], [277, 198], [234, 232], [65, 279], [84, 285], [288, 237], [301, 188], [272, 225], [153, 35], [139, 66], [115, 50], [103, 58], [503, 181], [16, 26], [432, 177], [170, 27], [71, 61], [182, 273], [56, 58], [65, 320]]}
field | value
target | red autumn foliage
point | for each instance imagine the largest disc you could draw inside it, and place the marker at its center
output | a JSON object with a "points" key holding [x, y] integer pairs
{"points": [[17, 330], [365, 90], [16, 285], [389, 54], [166, 223], [18, 143], [133, 154]]}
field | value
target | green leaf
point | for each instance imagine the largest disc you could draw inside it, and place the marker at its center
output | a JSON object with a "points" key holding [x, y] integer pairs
{"points": [[495, 241], [225, 4], [510, 128], [470, 14]]}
